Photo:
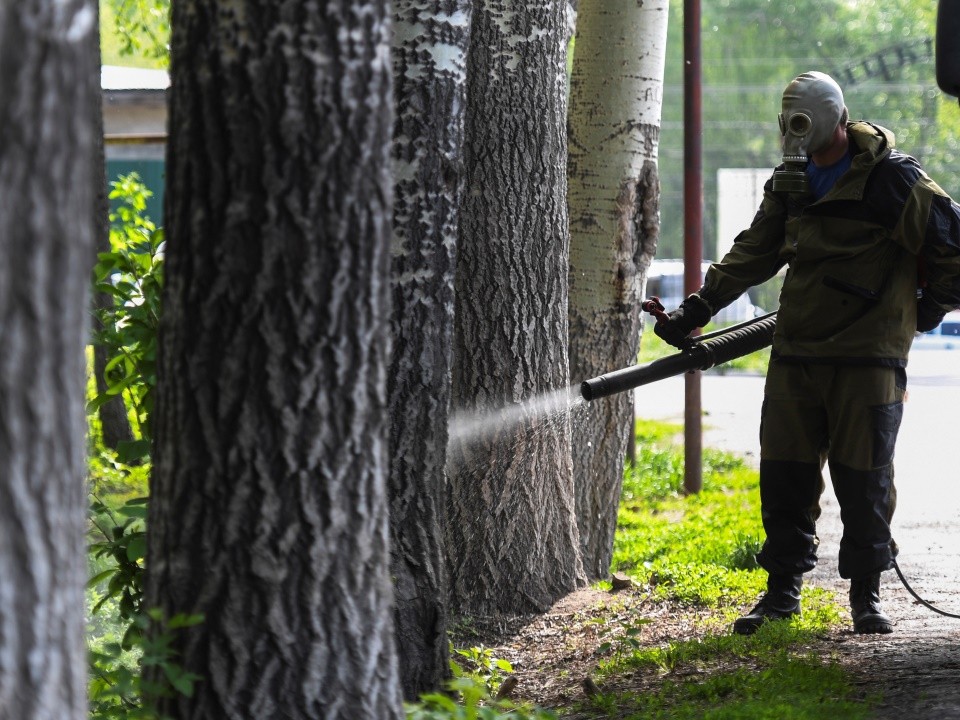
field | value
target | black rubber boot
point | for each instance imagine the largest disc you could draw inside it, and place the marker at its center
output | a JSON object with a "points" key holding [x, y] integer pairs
{"points": [[781, 601], [868, 616]]}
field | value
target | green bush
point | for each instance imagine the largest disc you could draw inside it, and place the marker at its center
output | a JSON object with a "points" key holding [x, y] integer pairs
{"points": [[132, 274]]}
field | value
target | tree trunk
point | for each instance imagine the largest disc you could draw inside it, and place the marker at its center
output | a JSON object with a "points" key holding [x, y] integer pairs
{"points": [[615, 99], [513, 536], [269, 508], [48, 86], [430, 42]]}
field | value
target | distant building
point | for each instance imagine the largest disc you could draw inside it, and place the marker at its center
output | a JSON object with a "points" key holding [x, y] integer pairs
{"points": [[739, 194], [135, 127]]}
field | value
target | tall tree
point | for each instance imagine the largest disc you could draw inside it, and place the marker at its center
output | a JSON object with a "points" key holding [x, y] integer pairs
{"points": [[268, 509], [429, 60], [49, 84], [513, 537], [616, 93]]}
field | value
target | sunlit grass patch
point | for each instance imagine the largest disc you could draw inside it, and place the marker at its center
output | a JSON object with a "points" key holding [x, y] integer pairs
{"points": [[774, 686], [721, 675], [710, 650], [699, 548], [654, 431]]}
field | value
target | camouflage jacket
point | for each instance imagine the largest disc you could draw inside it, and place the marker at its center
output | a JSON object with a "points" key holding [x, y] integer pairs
{"points": [[855, 258]]}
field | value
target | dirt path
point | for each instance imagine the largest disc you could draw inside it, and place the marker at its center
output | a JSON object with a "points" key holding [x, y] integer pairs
{"points": [[916, 669]]}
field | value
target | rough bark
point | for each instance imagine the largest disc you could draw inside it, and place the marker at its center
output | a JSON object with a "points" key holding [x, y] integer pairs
{"points": [[114, 423], [429, 60], [268, 506], [614, 190], [48, 86], [513, 537]]}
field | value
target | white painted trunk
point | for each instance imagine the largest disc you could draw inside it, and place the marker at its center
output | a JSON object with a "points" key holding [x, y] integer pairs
{"points": [[615, 100]]}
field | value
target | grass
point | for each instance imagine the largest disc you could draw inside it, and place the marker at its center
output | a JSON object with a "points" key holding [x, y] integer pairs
{"points": [[661, 532], [698, 551], [783, 685]]}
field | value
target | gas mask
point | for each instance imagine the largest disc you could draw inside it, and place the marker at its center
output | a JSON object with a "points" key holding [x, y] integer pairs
{"points": [[812, 108]]}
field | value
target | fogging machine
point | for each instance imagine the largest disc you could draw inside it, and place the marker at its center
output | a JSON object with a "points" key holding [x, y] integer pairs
{"points": [[703, 353]]}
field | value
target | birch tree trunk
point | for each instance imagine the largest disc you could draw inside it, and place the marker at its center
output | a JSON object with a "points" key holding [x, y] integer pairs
{"points": [[614, 194], [49, 85], [430, 45], [513, 537], [268, 509]]}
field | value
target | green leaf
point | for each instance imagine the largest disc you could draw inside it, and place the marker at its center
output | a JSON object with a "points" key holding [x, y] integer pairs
{"points": [[137, 548], [441, 701], [132, 637], [100, 577], [182, 620], [182, 681], [130, 452], [97, 402]]}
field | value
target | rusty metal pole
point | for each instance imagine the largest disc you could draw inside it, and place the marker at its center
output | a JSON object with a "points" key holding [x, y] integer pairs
{"points": [[692, 230]]}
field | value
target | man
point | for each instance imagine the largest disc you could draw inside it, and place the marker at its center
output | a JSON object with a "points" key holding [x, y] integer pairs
{"points": [[872, 246]]}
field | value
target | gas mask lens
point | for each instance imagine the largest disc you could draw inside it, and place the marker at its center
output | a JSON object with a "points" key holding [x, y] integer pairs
{"points": [[800, 124]]}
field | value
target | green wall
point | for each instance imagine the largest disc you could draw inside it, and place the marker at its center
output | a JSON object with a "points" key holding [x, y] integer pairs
{"points": [[151, 174]]}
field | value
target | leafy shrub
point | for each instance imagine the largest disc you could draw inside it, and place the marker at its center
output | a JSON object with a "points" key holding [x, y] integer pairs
{"points": [[482, 666], [142, 28], [132, 274], [469, 698]]}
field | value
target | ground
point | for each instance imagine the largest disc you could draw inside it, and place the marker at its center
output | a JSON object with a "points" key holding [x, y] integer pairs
{"points": [[555, 655], [914, 670]]}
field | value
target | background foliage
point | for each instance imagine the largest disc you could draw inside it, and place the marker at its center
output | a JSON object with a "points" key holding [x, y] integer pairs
{"points": [[135, 33]]}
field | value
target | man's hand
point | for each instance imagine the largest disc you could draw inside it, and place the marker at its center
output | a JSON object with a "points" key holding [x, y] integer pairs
{"points": [[692, 313]]}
